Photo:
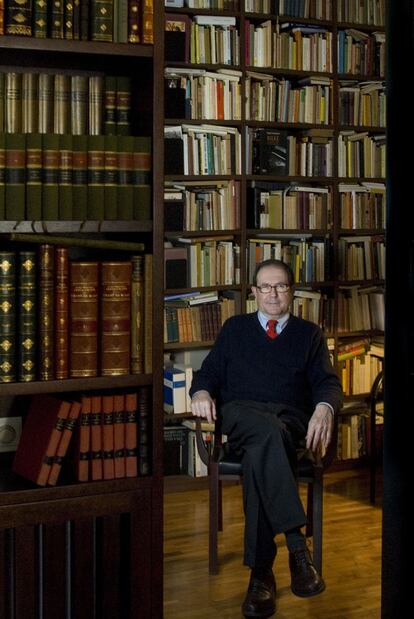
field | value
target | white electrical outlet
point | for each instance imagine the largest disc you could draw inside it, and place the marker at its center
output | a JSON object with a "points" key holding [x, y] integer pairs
{"points": [[10, 431]]}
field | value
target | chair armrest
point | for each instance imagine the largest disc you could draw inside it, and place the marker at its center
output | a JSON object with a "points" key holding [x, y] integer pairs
{"points": [[201, 446]]}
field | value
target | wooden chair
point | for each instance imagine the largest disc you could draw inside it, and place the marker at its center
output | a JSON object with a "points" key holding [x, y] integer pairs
{"points": [[376, 397], [223, 463]]}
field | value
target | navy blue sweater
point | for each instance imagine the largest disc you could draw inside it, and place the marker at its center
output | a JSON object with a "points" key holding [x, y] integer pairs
{"points": [[293, 369]]}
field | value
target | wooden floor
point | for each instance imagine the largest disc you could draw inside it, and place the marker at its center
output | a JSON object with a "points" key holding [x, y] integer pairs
{"points": [[352, 557]]}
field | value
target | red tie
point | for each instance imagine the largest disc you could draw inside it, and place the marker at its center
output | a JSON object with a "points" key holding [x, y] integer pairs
{"points": [[271, 329]]}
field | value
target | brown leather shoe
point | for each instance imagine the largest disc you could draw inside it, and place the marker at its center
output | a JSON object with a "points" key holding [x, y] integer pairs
{"points": [[305, 580], [261, 594]]}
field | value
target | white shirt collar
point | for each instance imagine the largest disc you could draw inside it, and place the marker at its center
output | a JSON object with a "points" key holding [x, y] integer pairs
{"points": [[281, 322]]}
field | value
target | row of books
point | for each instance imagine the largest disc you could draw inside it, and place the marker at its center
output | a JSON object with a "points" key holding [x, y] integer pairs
{"points": [[362, 12], [362, 205], [181, 455], [361, 257], [65, 177], [196, 318], [91, 438], [361, 155], [362, 104], [63, 103], [62, 318], [192, 205], [357, 374], [202, 261], [361, 53], [202, 150], [296, 47], [289, 207], [319, 9], [360, 308], [115, 21], [309, 259]]}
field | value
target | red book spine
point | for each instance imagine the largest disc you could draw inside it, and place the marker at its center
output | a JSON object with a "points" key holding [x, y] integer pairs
{"points": [[131, 434], [84, 450], [108, 436], [119, 436], [84, 281], [96, 438], [62, 448]]}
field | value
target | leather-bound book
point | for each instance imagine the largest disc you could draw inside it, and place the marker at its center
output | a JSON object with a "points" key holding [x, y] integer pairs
{"points": [[131, 438], [50, 187], [96, 104], [61, 313], [27, 314], [46, 98], [148, 265], [65, 177], [18, 17], [39, 17], [111, 177], [2, 16], [84, 287], [79, 104], [34, 176], [68, 21], [61, 104], [134, 21], [115, 331], [125, 209], [80, 177], [2, 168], [7, 317], [119, 436], [46, 312], [56, 22], [13, 102], [137, 315], [15, 176], [108, 436], [110, 105], [62, 448], [123, 105], [96, 174], [96, 438], [30, 102], [142, 178], [101, 20], [143, 430], [84, 440], [40, 437], [147, 28]]}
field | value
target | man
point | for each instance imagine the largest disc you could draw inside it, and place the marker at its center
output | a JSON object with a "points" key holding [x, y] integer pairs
{"points": [[271, 375]]}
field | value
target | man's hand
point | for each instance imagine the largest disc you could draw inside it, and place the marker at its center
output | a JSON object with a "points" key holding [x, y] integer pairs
{"points": [[202, 405], [320, 428]]}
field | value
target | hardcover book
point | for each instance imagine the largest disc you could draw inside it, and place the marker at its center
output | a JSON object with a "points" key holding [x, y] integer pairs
{"points": [[61, 313], [108, 436], [84, 287], [115, 332], [137, 315], [7, 317], [62, 448], [40, 437], [131, 438], [27, 314], [119, 435], [46, 312]]}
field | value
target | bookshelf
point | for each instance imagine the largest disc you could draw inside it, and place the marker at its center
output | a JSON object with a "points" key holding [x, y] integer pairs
{"points": [[94, 548], [308, 81]]}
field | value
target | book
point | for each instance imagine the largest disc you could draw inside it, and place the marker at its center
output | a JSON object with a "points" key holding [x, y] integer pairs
{"points": [[84, 440], [40, 437], [8, 368], [34, 174], [137, 315], [27, 316], [174, 390], [119, 435], [115, 318], [61, 313], [108, 436], [84, 287], [96, 468], [131, 435], [15, 164], [62, 448], [46, 312]]}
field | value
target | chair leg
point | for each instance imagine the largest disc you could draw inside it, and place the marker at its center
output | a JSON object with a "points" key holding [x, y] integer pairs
{"points": [[213, 519], [220, 506], [309, 511], [317, 518]]}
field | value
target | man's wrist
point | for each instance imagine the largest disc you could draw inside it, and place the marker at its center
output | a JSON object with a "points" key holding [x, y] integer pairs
{"points": [[330, 407]]}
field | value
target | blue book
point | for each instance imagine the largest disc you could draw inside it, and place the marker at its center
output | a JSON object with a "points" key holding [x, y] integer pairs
{"points": [[174, 390]]}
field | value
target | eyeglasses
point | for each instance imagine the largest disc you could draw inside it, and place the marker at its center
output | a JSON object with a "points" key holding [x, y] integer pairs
{"points": [[266, 288]]}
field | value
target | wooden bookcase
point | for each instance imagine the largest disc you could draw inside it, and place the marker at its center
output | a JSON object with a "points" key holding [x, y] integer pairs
{"points": [[91, 549], [336, 282]]}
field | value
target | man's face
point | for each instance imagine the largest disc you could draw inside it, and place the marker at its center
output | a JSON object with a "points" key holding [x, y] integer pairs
{"points": [[273, 304]]}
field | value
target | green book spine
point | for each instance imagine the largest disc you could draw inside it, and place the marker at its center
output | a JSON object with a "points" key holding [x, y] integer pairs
{"points": [[65, 177], [80, 177], [50, 193], [26, 344], [84, 20], [40, 19], [123, 106], [125, 209], [69, 7], [34, 177], [111, 176], [13, 102], [56, 26], [76, 19], [2, 100], [110, 105], [96, 173], [2, 175], [18, 17], [102, 20], [7, 317], [142, 178], [15, 176], [46, 312]]}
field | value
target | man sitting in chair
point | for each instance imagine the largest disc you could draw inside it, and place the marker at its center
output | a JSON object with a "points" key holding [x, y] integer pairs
{"points": [[271, 374]]}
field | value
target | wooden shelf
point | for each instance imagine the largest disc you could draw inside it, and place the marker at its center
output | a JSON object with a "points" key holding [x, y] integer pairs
{"points": [[75, 384], [44, 227], [34, 44]]}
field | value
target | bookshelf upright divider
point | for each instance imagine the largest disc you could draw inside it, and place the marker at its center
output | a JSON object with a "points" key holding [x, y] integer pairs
{"points": [[308, 98]]}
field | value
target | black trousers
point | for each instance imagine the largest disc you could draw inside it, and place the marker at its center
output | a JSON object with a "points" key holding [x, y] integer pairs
{"points": [[267, 435]]}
